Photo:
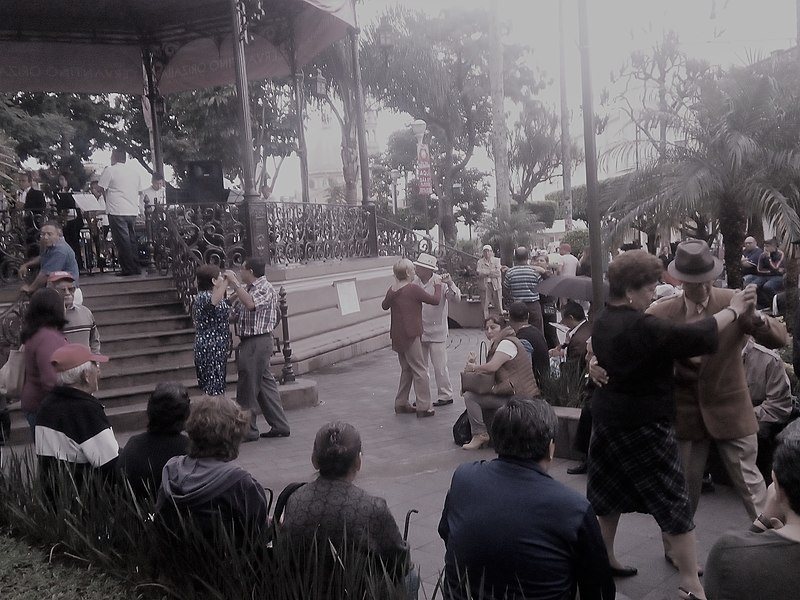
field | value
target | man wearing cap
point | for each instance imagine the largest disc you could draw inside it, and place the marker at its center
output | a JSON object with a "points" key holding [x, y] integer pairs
{"points": [[711, 395], [56, 256], [489, 281], [72, 427], [434, 324], [81, 327]]}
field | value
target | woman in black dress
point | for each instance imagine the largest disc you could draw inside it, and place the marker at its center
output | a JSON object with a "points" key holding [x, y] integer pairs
{"points": [[634, 464]]}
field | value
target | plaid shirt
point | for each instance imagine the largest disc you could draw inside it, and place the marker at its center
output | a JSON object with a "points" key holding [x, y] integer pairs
{"points": [[262, 319]]}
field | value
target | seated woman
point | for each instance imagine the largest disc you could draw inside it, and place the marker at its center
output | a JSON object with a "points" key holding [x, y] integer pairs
{"points": [[510, 363], [762, 562], [205, 483], [331, 509], [145, 454]]}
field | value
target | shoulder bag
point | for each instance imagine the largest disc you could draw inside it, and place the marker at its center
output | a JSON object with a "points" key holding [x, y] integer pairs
{"points": [[12, 374], [478, 383]]}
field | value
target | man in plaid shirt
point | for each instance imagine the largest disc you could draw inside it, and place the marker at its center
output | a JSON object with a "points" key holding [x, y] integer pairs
{"points": [[255, 313]]}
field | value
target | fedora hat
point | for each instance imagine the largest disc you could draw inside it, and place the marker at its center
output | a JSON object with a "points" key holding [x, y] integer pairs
{"points": [[426, 261], [694, 263]]}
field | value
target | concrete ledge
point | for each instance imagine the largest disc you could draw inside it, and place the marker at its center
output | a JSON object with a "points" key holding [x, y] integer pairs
{"points": [[299, 394], [567, 426]]}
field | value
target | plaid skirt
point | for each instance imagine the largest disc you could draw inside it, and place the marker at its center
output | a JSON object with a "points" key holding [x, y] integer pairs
{"points": [[639, 470]]}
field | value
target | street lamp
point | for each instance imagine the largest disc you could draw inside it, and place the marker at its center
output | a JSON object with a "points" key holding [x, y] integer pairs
{"points": [[395, 175], [418, 128], [319, 85]]}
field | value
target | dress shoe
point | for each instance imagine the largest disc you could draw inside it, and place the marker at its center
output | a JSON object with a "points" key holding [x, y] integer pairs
{"points": [[478, 441], [405, 409], [250, 438], [274, 434], [421, 414], [443, 402], [579, 469], [624, 571]]}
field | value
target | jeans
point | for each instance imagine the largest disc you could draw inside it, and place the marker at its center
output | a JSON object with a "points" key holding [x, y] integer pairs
{"points": [[124, 236]]}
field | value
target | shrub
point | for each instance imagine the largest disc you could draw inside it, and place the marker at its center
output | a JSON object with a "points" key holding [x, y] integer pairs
{"points": [[566, 389]]}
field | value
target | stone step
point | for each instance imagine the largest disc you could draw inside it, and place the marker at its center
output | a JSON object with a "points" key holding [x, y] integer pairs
{"points": [[107, 315], [162, 355], [112, 344], [111, 299], [144, 323], [174, 370]]}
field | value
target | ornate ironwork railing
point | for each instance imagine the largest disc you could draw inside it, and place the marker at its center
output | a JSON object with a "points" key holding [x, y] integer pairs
{"points": [[395, 239]]}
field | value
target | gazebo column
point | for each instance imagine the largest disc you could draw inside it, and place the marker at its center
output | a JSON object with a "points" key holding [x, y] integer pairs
{"points": [[255, 211], [153, 100]]}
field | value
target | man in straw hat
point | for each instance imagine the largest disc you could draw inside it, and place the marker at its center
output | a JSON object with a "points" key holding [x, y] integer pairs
{"points": [[434, 324], [711, 395]]}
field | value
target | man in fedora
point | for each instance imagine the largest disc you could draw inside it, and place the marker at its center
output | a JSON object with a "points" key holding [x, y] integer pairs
{"points": [[434, 324], [711, 395]]}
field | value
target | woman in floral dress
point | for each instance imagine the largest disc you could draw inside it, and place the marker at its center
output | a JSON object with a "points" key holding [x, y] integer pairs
{"points": [[212, 337]]}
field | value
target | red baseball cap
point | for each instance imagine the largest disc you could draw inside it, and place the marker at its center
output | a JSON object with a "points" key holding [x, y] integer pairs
{"points": [[60, 276], [73, 355]]}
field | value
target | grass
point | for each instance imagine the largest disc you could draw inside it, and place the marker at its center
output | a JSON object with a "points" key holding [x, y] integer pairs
{"points": [[27, 574]]}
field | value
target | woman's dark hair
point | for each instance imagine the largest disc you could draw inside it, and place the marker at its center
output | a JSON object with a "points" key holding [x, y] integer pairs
{"points": [[336, 449], [206, 274], [497, 320], [786, 464], [632, 271], [45, 310], [167, 408], [524, 428]]}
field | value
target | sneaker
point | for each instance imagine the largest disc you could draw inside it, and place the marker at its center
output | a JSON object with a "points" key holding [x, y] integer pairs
{"points": [[444, 402]]}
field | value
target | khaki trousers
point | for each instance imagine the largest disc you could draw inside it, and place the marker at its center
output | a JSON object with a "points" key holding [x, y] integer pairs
{"points": [[435, 355], [413, 369], [739, 458], [491, 296]]}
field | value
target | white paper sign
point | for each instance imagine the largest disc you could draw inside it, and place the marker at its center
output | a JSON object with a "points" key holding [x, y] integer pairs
{"points": [[348, 296]]}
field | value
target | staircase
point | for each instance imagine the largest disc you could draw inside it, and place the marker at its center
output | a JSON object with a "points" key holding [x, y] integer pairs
{"points": [[148, 337]]}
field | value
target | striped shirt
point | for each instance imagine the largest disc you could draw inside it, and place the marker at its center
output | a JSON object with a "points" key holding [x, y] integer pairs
{"points": [[81, 327], [523, 283], [262, 318]]}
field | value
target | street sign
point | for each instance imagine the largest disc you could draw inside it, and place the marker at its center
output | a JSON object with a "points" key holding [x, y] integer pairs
{"points": [[424, 169]]}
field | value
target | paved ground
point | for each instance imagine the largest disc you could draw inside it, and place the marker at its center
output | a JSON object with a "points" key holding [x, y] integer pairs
{"points": [[410, 462]]}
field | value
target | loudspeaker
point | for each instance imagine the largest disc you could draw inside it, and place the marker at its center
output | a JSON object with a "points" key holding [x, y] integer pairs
{"points": [[204, 181]]}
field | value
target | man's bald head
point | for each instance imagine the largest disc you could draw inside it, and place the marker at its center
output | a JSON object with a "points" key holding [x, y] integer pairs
{"points": [[750, 242], [521, 256]]}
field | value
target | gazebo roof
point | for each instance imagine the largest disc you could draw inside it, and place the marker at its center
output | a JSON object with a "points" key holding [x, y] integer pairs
{"points": [[96, 45]]}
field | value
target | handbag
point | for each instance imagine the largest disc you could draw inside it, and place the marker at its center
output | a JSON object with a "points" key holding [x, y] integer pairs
{"points": [[478, 383], [12, 374], [462, 430]]}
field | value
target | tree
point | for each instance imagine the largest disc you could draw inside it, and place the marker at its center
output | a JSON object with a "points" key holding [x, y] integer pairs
{"points": [[534, 149], [437, 71], [506, 233], [470, 199]]}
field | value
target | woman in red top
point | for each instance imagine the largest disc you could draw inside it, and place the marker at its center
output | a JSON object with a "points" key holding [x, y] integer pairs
{"points": [[405, 301], [42, 334]]}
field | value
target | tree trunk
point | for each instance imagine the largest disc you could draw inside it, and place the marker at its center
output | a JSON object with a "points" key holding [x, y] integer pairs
{"points": [[732, 225], [499, 134]]}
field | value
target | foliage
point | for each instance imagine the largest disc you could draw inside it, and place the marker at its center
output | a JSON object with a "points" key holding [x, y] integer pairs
{"points": [[437, 70], [506, 233], [543, 211], [578, 239], [567, 388], [8, 166], [470, 199], [534, 149], [105, 528]]}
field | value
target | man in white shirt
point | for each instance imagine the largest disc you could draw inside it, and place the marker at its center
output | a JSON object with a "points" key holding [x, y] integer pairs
{"points": [[569, 262], [120, 186], [152, 195], [434, 324]]}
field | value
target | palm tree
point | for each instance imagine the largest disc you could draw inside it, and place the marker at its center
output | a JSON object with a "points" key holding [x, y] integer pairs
{"points": [[735, 161]]}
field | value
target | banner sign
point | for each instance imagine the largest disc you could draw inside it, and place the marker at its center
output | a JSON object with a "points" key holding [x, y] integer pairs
{"points": [[424, 170]]}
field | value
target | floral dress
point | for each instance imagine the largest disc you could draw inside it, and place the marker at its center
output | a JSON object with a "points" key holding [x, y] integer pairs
{"points": [[211, 343]]}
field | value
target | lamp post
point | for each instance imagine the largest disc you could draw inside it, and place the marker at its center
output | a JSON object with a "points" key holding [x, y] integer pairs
{"points": [[418, 128], [395, 175]]}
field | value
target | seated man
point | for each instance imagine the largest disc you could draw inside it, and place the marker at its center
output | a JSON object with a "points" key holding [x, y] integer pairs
{"points": [[510, 530], [81, 327], [772, 399], [531, 338], [205, 483], [762, 562], [769, 273], [56, 256], [750, 255], [71, 425]]}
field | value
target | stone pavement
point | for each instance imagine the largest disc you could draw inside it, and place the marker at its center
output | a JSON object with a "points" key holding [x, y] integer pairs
{"points": [[410, 462]]}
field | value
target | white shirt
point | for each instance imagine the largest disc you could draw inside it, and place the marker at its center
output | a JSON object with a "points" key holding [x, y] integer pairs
{"points": [[569, 264], [121, 185], [434, 316], [507, 347]]}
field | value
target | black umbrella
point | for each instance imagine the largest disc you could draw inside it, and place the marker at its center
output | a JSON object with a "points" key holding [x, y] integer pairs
{"points": [[574, 287]]}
